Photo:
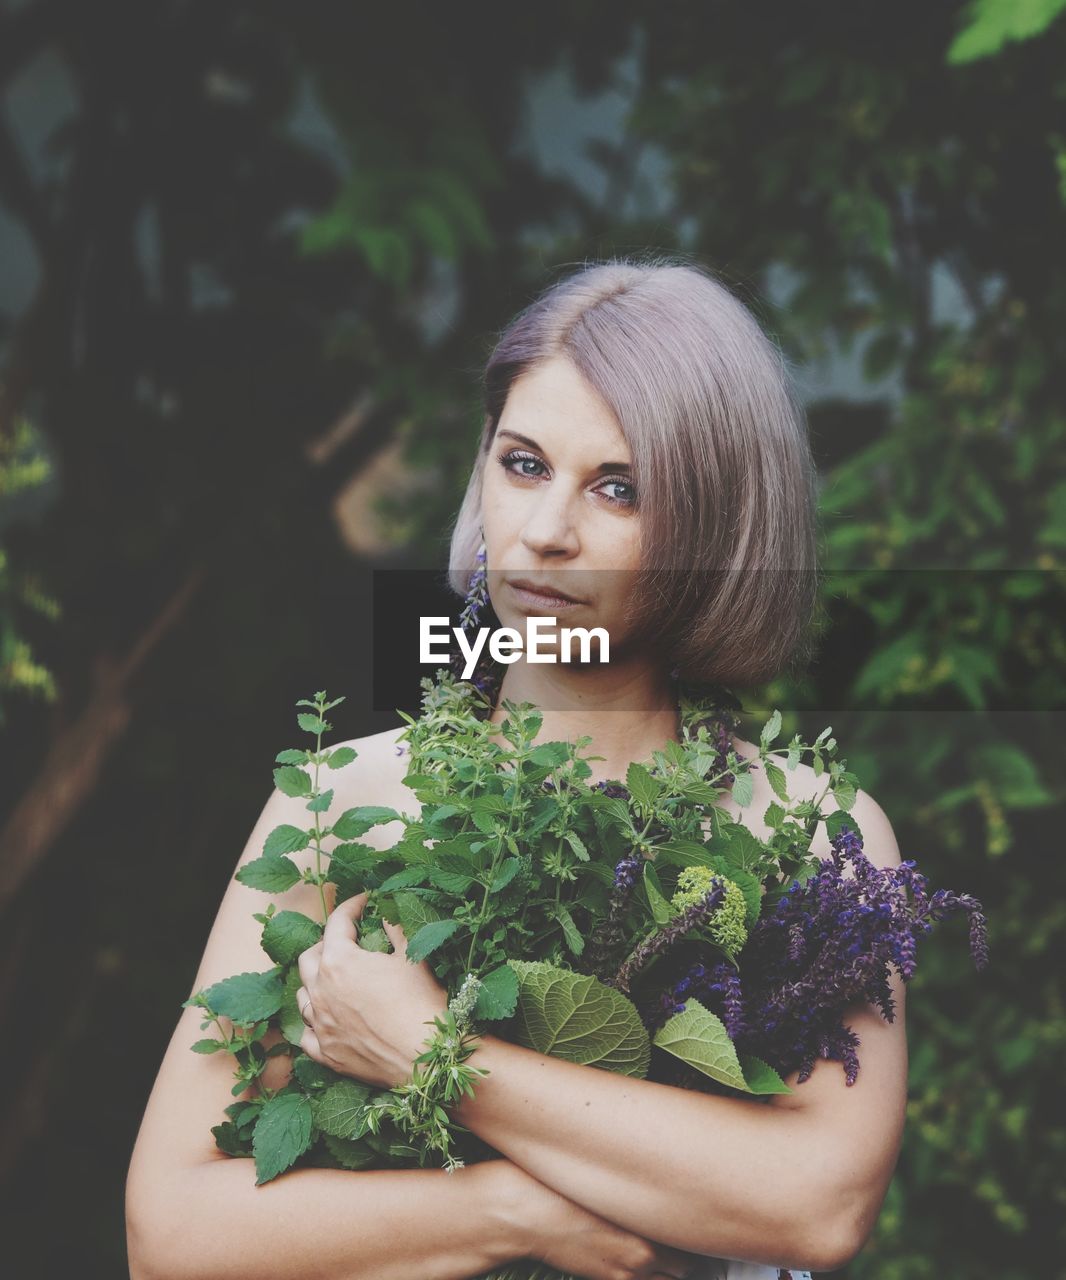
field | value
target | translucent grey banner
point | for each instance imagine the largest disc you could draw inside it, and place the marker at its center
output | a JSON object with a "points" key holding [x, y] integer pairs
{"points": [[923, 640]]}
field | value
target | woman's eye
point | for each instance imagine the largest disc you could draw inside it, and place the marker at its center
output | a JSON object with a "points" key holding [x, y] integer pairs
{"points": [[513, 456], [507, 459], [626, 500]]}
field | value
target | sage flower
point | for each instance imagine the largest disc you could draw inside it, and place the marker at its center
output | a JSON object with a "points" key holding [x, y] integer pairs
{"points": [[662, 940], [727, 927], [827, 945]]}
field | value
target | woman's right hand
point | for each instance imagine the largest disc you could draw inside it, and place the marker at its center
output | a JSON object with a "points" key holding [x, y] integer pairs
{"points": [[556, 1230]]}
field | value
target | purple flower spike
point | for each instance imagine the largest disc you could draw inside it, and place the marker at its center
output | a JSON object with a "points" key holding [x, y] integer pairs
{"points": [[829, 943], [658, 943], [608, 936]]}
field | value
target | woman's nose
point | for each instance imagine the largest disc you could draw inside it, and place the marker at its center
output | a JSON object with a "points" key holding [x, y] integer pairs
{"points": [[550, 526]]}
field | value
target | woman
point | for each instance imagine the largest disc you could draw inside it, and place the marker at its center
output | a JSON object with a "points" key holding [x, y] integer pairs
{"points": [[642, 456]]}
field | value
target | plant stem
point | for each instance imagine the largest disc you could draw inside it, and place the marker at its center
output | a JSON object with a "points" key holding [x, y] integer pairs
{"points": [[317, 835], [500, 846]]}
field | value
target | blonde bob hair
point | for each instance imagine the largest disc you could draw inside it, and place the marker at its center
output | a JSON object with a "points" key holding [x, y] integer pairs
{"points": [[718, 441]]}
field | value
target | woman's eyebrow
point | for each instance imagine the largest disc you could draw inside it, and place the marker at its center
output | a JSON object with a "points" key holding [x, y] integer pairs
{"points": [[604, 466]]}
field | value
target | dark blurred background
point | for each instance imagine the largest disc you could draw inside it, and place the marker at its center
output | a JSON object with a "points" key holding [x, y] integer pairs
{"points": [[252, 258]]}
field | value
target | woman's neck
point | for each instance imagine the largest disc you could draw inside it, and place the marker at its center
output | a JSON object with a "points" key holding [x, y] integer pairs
{"points": [[628, 710]]}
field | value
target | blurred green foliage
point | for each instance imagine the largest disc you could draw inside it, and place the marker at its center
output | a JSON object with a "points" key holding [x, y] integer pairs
{"points": [[23, 467], [856, 163]]}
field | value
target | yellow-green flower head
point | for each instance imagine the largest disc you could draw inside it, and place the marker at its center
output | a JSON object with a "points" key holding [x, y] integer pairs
{"points": [[727, 927]]}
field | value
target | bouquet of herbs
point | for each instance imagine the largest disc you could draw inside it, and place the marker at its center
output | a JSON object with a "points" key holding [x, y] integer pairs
{"points": [[628, 926]]}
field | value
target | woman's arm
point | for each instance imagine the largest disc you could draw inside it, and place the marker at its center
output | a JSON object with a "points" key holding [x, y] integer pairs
{"points": [[209, 1221], [193, 1212], [798, 1181]]}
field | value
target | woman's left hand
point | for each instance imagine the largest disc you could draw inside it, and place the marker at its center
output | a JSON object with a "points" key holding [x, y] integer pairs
{"points": [[366, 1012]]}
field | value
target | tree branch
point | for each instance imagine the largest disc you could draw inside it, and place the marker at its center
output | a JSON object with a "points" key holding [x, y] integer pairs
{"points": [[73, 763]]}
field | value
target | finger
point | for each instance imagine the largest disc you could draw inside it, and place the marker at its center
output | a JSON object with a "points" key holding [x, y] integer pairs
{"points": [[341, 929], [308, 962], [396, 935], [310, 1045]]}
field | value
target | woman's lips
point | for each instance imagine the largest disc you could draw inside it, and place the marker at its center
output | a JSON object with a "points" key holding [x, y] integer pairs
{"points": [[534, 599]]}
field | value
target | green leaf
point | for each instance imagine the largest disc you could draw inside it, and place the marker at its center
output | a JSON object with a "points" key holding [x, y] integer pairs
{"points": [[429, 938], [282, 1134], [450, 880], [374, 940], [696, 792], [391, 1146], [740, 848], [743, 788], [291, 757], [288, 934], [351, 1154], [311, 724], [320, 803], [550, 753], [662, 911], [286, 839], [289, 1020], [404, 879], [314, 1075], [992, 23], [577, 1017], [210, 1045], [760, 1076], [246, 998], [770, 729], [440, 813], [497, 995], [683, 853], [700, 1039], [340, 756], [749, 884], [641, 785], [484, 821], [578, 845], [349, 866], [774, 815], [271, 873], [414, 911], [292, 781], [358, 821], [426, 786], [230, 1140], [843, 789], [571, 933], [505, 873], [244, 1114], [775, 775], [340, 1109]]}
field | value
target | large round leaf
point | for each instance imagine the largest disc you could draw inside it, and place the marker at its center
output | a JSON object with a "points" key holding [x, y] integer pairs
{"points": [[577, 1017]]}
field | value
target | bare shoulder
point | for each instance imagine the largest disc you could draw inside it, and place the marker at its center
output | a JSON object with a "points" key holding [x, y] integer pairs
{"points": [[375, 749], [376, 775], [802, 783]]}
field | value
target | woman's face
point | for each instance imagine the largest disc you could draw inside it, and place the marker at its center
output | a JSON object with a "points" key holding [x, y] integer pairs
{"points": [[559, 504]]}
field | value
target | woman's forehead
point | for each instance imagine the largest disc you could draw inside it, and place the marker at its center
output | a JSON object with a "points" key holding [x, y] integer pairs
{"points": [[554, 418]]}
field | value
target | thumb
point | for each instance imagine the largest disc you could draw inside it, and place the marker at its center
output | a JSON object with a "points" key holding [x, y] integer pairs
{"points": [[352, 907], [341, 926]]}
